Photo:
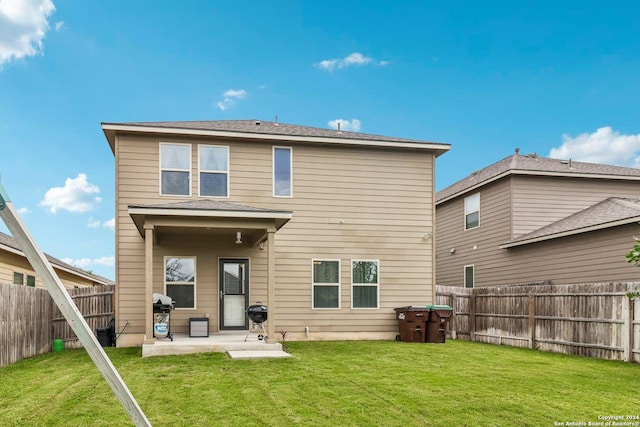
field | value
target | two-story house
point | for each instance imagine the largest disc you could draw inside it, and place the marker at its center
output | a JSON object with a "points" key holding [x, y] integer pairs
{"points": [[531, 219], [331, 230]]}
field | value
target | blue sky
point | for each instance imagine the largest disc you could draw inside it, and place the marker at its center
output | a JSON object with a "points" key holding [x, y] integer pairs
{"points": [[561, 79]]}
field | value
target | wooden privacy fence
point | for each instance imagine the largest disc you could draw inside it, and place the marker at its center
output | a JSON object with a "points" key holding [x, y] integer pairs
{"points": [[597, 319], [30, 320]]}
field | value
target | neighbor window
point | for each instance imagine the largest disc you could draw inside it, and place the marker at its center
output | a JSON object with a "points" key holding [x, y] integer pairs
{"points": [[175, 169], [364, 283], [326, 283], [472, 211], [469, 276], [282, 176], [18, 279], [31, 281], [213, 164], [180, 281]]}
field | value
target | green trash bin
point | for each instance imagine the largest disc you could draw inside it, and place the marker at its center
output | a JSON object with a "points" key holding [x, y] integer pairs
{"points": [[438, 323]]}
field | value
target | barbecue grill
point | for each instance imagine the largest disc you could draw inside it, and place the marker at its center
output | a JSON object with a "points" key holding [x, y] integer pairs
{"points": [[162, 307], [257, 314]]}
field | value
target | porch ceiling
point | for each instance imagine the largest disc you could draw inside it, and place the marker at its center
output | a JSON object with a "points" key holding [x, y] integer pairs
{"points": [[210, 217]]}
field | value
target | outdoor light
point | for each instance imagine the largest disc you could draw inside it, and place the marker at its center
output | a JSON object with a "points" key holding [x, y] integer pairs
{"points": [[238, 237]]}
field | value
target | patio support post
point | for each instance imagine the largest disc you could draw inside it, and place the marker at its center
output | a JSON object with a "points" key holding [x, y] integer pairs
{"points": [[271, 283], [148, 284]]}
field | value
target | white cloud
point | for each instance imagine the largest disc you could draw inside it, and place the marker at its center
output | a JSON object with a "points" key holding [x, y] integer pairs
{"points": [[346, 125], [24, 24], [229, 98], [110, 224], [77, 195], [59, 25], [96, 223], [604, 146], [83, 263], [354, 59], [23, 211]]}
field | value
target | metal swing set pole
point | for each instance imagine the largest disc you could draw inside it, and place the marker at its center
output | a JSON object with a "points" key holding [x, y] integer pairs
{"points": [[70, 311]]}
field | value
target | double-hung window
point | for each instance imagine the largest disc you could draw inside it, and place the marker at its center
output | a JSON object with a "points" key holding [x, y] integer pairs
{"points": [[364, 283], [213, 162], [18, 278], [469, 276], [326, 283], [282, 172], [175, 169], [472, 211], [31, 281], [180, 281]]}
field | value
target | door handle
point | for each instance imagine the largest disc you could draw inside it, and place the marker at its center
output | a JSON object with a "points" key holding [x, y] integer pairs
{"points": [[221, 294]]}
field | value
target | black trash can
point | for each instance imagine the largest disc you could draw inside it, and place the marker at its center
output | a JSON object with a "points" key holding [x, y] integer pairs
{"points": [[107, 336], [411, 323], [438, 323]]}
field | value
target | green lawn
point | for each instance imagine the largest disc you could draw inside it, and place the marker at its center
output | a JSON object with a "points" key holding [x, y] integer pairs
{"points": [[326, 384]]}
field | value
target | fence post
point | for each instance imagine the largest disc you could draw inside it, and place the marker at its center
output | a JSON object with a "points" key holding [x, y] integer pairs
{"points": [[627, 333], [472, 315], [532, 321], [452, 322]]}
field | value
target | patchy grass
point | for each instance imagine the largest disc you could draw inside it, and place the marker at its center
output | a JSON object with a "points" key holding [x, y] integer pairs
{"points": [[326, 383]]}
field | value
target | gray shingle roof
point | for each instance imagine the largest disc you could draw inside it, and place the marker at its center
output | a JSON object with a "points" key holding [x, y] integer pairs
{"points": [[607, 213], [534, 164], [208, 205], [11, 242], [262, 128]]}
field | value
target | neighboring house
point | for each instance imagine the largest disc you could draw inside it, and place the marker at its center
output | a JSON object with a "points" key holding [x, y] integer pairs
{"points": [[529, 219], [16, 269], [331, 230]]}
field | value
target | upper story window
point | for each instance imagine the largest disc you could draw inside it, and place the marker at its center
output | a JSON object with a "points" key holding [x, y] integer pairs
{"points": [[282, 176], [472, 211], [175, 169], [18, 278], [213, 162]]}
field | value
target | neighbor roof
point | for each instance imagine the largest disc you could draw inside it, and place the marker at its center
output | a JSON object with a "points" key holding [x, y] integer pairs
{"points": [[259, 129], [608, 213], [10, 244], [532, 164]]}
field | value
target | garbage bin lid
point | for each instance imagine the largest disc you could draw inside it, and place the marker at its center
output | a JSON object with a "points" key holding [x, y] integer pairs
{"points": [[412, 308], [439, 307]]}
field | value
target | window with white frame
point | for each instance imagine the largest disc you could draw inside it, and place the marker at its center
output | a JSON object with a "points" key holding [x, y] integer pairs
{"points": [[180, 281], [18, 278], [175, 169], [213, 164], [31, 281], [469, 276], [364, 283], [282, 172], [472, 211], [326, 283]]}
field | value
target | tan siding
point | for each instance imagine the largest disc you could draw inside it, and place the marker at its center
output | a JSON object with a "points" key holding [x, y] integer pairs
{"points": [[495, 214], [12, 263], [539, 201], [383, 197]]}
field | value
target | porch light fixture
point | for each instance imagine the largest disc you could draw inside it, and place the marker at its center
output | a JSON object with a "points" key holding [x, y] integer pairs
{"points": [[238, 237]]}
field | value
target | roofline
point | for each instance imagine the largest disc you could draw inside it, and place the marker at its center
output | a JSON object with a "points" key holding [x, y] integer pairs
{"points": [[571, 232], [536, 173], [110, 129], [210, 213], [58, 266]]}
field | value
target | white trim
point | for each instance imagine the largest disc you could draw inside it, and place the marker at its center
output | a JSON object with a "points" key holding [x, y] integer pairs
{"points": [[377, 285], [273, 171], [195, 279], [473, 266], [160, 169], [313, 284], [227, 172], [442, 148], [210, 213]]}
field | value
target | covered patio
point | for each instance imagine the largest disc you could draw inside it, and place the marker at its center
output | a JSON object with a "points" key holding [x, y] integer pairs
{"points": [[248, 229]]}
